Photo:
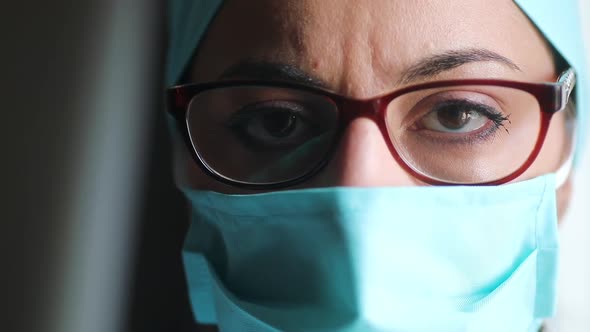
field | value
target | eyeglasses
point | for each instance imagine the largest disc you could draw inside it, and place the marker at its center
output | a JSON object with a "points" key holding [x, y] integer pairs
{"points": [[267, 135]]}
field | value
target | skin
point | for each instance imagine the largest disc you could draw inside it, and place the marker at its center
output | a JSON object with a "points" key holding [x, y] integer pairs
{"points": [[366, 60], [361, 49]]}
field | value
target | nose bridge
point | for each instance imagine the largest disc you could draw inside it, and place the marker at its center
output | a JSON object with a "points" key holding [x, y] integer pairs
{"points": [[352, 109], [363, 157]]}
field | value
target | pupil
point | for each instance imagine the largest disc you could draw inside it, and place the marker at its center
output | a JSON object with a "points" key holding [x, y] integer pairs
{"points": [[279, 124], [454, 118]]}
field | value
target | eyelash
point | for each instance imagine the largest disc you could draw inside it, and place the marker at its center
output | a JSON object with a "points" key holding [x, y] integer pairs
{"points": [[498, 119]]}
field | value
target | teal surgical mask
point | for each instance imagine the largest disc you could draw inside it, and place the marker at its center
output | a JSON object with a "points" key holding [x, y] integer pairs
{"points": [[376, 259]]}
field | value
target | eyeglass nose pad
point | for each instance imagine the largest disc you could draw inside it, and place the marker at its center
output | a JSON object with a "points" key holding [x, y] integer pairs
{"points": [[363, 158]]}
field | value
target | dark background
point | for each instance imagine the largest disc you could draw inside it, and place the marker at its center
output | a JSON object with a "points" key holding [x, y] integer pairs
{"points": [[91, 226]]}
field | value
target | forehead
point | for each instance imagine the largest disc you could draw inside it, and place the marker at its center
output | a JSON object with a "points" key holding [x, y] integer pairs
{"points": [[344, 41]]}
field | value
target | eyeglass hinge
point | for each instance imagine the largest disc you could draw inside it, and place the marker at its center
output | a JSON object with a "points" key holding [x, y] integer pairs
{"points": [[567, 81]]}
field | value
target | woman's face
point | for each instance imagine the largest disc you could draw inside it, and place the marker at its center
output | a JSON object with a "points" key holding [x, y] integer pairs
{"points": [[361, 49]]}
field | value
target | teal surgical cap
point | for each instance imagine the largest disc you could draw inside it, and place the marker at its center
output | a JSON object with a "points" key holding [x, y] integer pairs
{"points": [[559, 21]]}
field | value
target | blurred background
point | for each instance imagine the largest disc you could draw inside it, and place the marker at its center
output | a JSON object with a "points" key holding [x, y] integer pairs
{"points": [[91, 224]]}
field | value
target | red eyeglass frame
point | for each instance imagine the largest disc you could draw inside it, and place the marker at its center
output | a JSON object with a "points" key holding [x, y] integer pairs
{"points": [[552, 98]]}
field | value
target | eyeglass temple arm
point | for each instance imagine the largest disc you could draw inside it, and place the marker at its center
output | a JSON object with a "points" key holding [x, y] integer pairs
{"points": [[567, 81]]}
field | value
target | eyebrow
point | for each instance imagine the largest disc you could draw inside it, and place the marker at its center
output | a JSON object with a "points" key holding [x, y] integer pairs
{"points": [[436, 64], [271, 71], [425, 68]]}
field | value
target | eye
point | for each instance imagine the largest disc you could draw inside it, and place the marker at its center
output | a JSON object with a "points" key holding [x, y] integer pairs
{"points": [[278, 124], [273, 124], [461, 116]]}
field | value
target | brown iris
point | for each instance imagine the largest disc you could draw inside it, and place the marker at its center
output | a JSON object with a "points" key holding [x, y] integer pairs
{"points": [[453, 118]]}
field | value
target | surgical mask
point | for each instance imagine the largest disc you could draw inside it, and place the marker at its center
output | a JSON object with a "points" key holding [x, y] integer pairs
{"points": [[376, 259]]}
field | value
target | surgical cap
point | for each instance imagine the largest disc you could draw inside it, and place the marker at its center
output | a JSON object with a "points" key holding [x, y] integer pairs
{"points": [[559, 22]]}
